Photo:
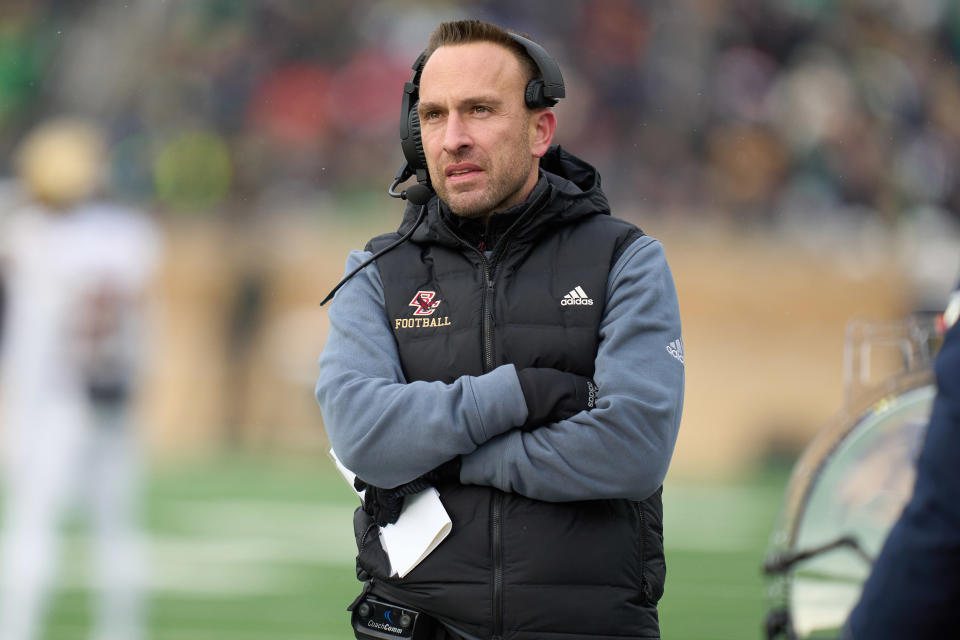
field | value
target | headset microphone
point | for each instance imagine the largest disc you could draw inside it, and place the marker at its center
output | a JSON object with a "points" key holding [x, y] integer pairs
{"points": [[418, 194]]}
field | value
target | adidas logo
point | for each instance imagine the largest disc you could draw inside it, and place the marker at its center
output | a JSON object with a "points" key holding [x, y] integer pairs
{"points": [[576, 297], [675, 349]]}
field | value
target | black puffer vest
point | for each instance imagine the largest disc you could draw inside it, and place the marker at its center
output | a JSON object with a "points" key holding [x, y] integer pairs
{"points": [[517, 568]]}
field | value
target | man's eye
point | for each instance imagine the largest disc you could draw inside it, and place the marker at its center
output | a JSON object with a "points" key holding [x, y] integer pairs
{"points": [[481, 109]]}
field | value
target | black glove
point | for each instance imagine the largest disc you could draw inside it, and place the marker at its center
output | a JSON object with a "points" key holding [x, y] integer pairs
{"points": [[449, 471], [553, 395], [385, 505]]}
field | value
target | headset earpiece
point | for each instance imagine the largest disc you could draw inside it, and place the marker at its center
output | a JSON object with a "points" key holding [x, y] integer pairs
{"points": [[533, 96], [414, 140], [547, 89], [410, 140]]}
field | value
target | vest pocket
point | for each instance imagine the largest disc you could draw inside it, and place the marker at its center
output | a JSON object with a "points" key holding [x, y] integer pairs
{"points": [[653, 562]]}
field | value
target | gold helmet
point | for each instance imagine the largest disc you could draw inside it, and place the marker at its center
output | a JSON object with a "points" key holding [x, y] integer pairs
{"points": [[61, 162]]}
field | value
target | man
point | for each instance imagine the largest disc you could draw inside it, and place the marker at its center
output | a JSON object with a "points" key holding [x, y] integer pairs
{"points": [[914, 587], [76, 271], [522, 352]]}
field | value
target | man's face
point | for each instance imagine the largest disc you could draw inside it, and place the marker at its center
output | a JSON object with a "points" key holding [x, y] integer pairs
{"points": [[476, 128]]}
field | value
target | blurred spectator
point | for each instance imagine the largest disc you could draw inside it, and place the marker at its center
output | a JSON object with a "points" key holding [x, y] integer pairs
{"points": [[76, 272], [733, 107], [804, 117]]}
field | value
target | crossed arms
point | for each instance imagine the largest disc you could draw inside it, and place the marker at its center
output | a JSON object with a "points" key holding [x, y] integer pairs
{"points": [[390, 432]]}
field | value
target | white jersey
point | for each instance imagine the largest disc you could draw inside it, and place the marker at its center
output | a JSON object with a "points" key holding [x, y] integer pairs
{"points": [[56, 265]]}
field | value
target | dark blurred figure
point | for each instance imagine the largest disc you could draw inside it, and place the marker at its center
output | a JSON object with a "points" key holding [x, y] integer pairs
{"points": [[76, 273], [914, 588]]}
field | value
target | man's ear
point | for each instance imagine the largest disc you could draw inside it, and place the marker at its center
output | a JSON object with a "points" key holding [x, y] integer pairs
{"points": [[543, 124]]}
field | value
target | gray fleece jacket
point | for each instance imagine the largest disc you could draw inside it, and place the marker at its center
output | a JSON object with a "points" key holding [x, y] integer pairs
{"points": [[389, 431]]}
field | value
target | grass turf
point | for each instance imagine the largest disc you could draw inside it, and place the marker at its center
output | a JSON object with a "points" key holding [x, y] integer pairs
{"points": [[250, 548]]}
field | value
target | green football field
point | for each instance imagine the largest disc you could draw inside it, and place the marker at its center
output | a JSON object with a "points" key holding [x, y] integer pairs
{"points": [[253, 549]]}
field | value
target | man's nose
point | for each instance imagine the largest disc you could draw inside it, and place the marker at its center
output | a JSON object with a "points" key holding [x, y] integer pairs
{"points": [[456, 135]]}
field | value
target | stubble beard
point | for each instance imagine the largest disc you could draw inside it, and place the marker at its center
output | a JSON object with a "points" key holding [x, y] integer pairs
{"points": [[504, 185]]}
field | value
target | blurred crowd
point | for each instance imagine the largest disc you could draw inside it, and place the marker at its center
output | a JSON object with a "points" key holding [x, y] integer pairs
{"points": [[761, 112]]}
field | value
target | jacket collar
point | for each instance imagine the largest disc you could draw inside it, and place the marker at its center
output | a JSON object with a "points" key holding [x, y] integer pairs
{"points": [[568, 189], [485, 235]]}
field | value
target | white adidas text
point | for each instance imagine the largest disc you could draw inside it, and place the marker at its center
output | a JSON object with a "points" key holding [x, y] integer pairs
{"points": [[577, 296]]}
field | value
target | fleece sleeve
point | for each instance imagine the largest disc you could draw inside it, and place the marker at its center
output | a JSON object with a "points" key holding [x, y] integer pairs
{"points": [[384, 429], [622, 447]]}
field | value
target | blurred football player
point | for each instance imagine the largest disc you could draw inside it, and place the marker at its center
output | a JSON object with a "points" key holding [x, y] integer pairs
{"points": [[76, 274]]}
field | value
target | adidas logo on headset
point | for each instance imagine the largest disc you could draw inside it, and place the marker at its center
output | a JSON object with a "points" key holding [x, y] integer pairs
{"points": [[577, 296]]}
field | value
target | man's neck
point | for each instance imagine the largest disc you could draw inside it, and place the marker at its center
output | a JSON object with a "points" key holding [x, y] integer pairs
{"points": [[519, 196]]}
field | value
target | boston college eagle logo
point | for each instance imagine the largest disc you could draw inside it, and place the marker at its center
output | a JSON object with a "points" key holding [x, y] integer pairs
{"points": [[425, 303]]}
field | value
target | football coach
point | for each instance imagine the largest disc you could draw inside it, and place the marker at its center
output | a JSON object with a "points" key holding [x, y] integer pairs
{"points": [[516, 346]]}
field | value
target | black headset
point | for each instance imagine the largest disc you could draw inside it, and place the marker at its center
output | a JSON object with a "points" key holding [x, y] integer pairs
{"points": [[541, 92]]}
